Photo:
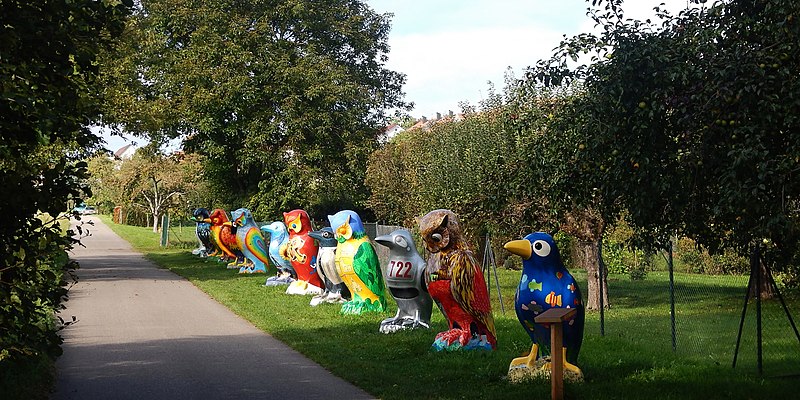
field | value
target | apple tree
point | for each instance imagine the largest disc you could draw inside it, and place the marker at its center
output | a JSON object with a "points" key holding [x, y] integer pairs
{"points": [[691, 124]]}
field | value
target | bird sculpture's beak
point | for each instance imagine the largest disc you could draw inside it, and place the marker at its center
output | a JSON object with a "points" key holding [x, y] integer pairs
{"points": [[384, 240], [519, 247]]}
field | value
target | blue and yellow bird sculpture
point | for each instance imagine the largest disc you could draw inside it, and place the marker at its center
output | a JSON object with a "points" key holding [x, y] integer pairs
{"points": [[358, 265], [251, 242], [546, 284], [278, 242]]}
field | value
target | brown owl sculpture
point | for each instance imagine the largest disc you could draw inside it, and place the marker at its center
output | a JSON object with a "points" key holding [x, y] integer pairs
{"points": [[456, 283]]}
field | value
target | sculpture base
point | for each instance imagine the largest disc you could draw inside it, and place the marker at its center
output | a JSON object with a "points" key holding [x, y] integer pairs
{"points": [[459, 339], [251, 270], [327, 297], [279, 280], [395, 324], [540, 371], [302, 288]]}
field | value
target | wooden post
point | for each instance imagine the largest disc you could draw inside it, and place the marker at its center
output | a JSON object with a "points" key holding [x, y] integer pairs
{"points": [[556, 317]]}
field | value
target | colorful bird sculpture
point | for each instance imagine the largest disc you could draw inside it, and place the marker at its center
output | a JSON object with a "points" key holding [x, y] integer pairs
{"points": [[216, 219], [405, 278], [250, 240], [278, 242], [357, 264], [302, 252], [335, 289], [202, 231], [456, 283], [225, 238], [546, 284]]}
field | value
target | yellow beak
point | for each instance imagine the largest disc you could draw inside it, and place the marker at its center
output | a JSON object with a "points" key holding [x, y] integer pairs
{"points": [[519, 247]]}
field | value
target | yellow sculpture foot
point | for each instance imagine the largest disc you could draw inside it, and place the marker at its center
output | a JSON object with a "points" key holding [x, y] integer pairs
{"points": [[528, 361], [530, 367]]}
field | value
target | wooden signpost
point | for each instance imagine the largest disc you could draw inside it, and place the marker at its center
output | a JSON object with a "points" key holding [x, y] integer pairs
{"points": [[556, 317]]}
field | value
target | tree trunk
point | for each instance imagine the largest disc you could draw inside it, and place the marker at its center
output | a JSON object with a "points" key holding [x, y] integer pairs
{"points": [[586, 256], [767, 290], [155, 223]]}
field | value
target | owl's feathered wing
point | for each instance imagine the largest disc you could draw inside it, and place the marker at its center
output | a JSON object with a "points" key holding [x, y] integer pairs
{"points": [[213, 238], [367, 268], [469, 290], [226, 241]]}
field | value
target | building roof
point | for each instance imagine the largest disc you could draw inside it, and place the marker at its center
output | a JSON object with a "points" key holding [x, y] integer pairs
{"points": [[124, 151]]}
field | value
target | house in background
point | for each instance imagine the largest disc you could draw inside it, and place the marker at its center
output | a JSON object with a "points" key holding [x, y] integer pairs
{"points": [[391, 131], [425, 123], [125, 152]]}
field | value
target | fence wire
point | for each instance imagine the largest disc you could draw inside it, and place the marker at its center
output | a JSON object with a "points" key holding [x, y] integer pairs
{"points": [[708, 312]]}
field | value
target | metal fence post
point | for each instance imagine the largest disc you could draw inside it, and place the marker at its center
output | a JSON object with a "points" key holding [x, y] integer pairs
{"points": [[601, 273], [671, 267], [164, 230]]}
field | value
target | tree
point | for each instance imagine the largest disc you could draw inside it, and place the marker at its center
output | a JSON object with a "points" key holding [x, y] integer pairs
{"points": [[102, 180], [283, 98], [691, 125], [48, 72], [555, 172], [155, 183]]}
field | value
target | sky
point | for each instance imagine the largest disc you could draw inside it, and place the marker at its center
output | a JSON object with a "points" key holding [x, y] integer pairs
{"points": [[450, 49]]}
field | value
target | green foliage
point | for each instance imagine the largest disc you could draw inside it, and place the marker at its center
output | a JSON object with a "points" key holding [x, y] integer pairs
{"points": [[690, 125], [284, 99], [153, 183], [699, 261], [48, 72], [467, 166]]}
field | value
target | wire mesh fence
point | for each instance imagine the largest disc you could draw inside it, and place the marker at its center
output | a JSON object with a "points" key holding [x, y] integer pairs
{"points": [[702, 316]]}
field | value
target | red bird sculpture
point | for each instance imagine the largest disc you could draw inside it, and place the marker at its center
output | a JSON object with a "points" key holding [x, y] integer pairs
{"points": [[456, 283], [301, 250]]}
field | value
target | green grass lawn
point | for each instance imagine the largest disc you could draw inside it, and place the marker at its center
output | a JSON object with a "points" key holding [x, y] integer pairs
{"points": [[633, 360]]}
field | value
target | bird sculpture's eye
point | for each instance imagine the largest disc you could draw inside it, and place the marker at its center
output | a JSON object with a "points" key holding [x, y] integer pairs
{"points": [[401, 241], [436, 237], [541, 248]]}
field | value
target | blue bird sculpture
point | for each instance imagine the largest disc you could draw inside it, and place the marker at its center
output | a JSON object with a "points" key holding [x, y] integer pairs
{"points": [[278, 241], [545, 284]]}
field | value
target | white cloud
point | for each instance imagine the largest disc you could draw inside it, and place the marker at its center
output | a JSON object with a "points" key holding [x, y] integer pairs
{"points": [[449, 50], [456, 65]]}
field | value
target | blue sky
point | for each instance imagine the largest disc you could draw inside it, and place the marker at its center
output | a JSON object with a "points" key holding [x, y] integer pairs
{"points": [[450, 49]]}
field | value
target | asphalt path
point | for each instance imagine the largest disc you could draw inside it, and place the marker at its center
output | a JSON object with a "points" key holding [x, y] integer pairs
{"points": [[145, 333]]}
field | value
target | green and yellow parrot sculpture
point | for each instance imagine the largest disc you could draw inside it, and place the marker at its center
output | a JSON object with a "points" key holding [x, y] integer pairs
{"points": [[357, 264]]}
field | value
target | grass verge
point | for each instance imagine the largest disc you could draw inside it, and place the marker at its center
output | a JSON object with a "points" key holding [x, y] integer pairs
{"points": [[633, 360]]}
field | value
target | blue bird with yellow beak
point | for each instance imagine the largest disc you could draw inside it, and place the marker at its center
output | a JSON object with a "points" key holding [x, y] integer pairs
{"points": [[546, 284]]}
